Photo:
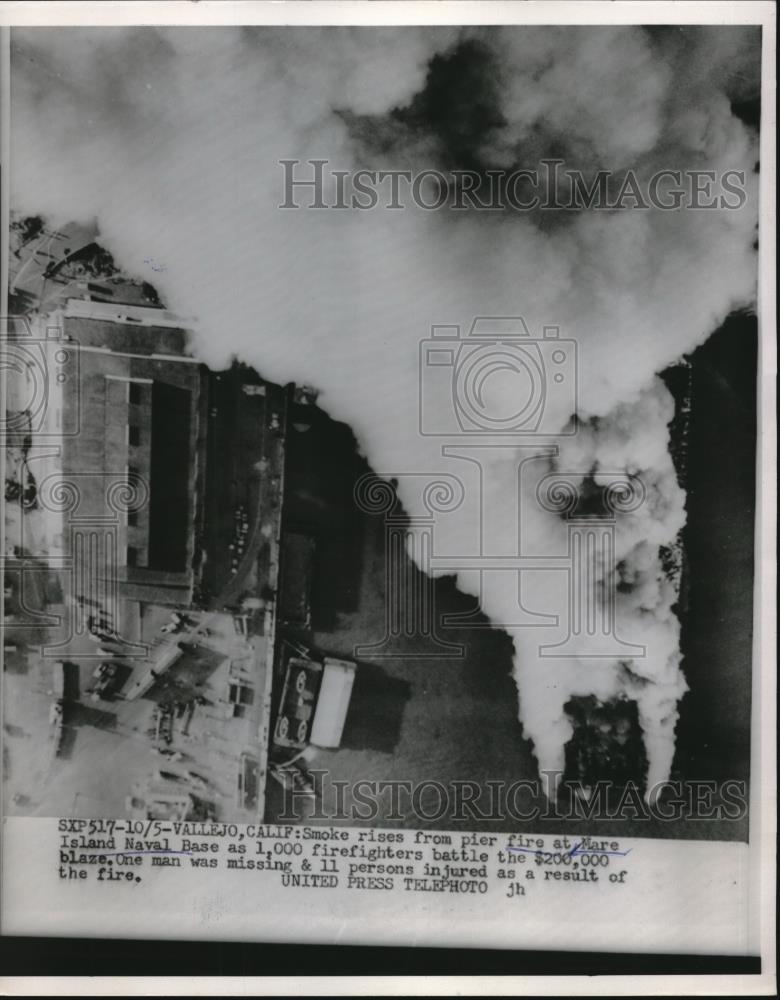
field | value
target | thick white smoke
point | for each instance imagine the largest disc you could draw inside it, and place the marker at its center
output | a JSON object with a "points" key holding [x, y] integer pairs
{"points": [[171, 139]]}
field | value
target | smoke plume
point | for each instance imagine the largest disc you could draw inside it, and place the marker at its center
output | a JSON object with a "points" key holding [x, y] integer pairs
{"points": [[171, 140]]}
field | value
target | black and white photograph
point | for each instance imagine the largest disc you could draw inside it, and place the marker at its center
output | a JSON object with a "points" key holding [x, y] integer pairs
{"points": [[382, 448]]}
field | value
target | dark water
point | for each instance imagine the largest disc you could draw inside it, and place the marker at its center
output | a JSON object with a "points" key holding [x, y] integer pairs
{"points": [[713, 734]]}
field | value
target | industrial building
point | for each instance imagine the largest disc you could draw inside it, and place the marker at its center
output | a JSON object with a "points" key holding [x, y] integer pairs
{"points": [[142, 420]]}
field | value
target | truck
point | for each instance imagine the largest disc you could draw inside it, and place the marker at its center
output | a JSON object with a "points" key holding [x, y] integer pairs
{"points": [[57, 710], [314, 702], [104, 678], [296, 707], [58, 680], [338, 676]]}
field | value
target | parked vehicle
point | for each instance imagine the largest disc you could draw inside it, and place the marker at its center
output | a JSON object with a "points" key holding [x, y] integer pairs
{"points": [[58, 680], [104, 676], [299, 694], [330, 716], [57, 711], [314, 702]]}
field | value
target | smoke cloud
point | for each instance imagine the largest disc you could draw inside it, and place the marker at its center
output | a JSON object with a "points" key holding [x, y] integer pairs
{"points": [[171, 140]]}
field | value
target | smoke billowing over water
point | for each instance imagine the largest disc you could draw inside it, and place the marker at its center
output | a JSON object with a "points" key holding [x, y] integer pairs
{"points": [[171, 140]]}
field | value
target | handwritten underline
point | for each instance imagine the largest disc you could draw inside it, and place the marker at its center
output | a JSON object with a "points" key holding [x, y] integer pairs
{"points": [[116, 854], [575, 851]]}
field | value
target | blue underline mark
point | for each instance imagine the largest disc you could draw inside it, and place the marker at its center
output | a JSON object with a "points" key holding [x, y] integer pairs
{"points": [[114, 854], [578, 849]]}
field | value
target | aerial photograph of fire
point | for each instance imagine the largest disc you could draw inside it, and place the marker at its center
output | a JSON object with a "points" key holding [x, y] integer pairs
{"points": [[380, 429]]}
